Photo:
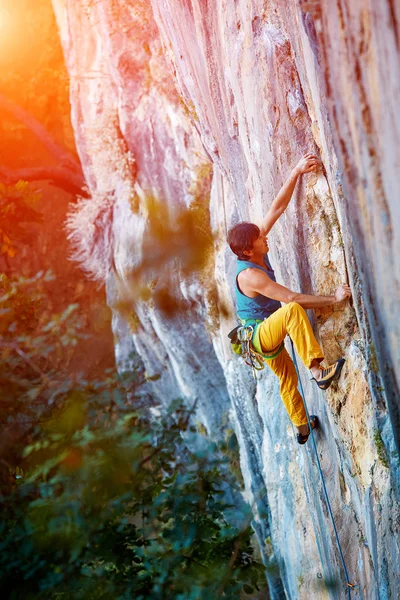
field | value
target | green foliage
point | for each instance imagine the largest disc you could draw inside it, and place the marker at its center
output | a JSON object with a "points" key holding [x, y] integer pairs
{"points": [[105, 496], [35, 347], [122, 507], [373, 359], [231, 450], [380, 448], [17, 206]]}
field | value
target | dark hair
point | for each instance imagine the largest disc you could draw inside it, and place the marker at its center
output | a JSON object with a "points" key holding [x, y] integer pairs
{"points": [[242, 237]]}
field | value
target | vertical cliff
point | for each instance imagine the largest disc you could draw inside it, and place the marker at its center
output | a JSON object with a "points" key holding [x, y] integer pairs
{"points": [[159, 96]]}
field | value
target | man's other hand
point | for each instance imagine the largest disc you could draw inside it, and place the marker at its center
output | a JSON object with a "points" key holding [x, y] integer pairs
{"points": [[342, 292], [309, 162]]}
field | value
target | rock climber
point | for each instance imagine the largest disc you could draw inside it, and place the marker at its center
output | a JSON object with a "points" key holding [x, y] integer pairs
{"points": [[259, 300]]}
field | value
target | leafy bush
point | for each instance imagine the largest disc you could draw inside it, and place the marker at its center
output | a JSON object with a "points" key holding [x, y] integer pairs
{"points": [[35, 349], [18, 206], [104, 496]]}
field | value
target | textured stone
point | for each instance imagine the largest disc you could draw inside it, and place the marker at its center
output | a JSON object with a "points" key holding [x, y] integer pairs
{"points": [[260, 84]]}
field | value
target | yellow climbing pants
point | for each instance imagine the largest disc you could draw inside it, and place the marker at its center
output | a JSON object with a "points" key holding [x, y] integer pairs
{"points": [[291, 320]]}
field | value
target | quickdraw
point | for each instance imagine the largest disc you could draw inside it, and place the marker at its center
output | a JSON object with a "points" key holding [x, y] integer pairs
{"points": [[249, 355], [242, 344]]}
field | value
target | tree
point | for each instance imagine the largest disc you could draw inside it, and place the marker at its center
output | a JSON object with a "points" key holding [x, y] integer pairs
{"points": [[110, 498], [17, 207], [67, 174]]}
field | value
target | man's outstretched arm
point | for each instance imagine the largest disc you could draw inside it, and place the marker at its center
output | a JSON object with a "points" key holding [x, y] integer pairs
{"points": [[308, 163], [260, 282]]}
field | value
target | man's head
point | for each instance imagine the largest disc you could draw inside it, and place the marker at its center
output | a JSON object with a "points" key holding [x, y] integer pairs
{"points": [[246, 240]]}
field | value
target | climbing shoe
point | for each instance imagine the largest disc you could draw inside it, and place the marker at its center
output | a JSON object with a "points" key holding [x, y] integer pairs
{"points": [[329, 374], [314, 423]]}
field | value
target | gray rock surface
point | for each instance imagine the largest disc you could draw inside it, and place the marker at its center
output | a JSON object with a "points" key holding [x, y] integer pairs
{"points": [[250, 86]]}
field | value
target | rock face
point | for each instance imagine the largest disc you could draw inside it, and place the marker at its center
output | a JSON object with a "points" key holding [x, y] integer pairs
{"points": [[249, 86]]}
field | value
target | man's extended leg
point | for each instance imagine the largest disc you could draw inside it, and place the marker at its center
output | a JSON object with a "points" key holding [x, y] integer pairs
{"points": [[290, 319], [284, 368]]}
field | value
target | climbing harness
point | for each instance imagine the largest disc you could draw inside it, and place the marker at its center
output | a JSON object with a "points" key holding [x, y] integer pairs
{"points": [[350, 586], [242, 343]]}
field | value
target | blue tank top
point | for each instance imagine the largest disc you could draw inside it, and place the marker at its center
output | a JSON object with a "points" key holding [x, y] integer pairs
{"points": [[260, 307]]}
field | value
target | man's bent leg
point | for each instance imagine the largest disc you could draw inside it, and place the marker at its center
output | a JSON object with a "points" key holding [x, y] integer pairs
{"points": [[284, 368], [291, 319]]}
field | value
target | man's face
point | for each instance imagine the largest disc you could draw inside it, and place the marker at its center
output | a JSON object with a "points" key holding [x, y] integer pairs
{"points": [[260, 245]]}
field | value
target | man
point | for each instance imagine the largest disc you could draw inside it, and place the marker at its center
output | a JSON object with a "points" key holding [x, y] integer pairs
{"points": [[258, 303]]}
